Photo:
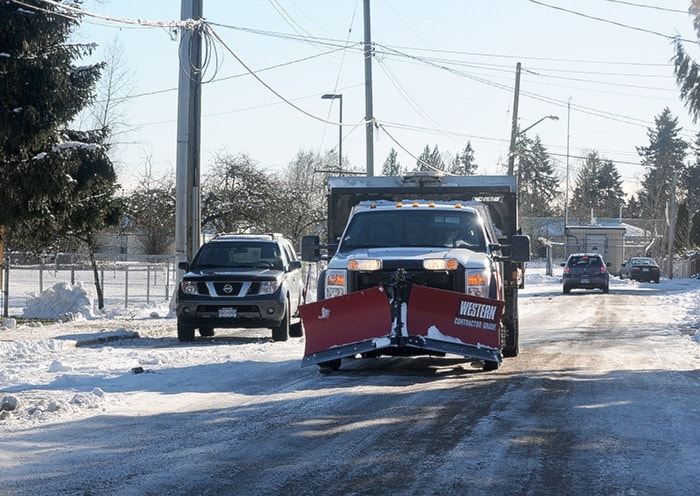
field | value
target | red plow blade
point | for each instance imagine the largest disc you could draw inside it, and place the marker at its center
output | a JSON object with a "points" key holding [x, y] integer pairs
{"points": [[433, 320], [346, 325], [454, 317]]}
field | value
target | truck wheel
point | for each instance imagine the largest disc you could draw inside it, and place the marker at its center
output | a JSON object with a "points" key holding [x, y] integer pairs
{"points": [[185, 333], [281, 332], [567, 290], [331, 365], [490, 366], [606, 289]]}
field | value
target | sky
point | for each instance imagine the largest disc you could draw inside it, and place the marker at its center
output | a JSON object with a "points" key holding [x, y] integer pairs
{"points": [[443, 75]]}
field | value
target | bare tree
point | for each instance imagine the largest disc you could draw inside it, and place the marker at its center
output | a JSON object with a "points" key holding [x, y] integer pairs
{"points": [[151, 213]]}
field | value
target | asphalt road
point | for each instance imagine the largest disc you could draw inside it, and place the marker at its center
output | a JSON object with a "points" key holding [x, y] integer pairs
{"points": [[603, 400]]}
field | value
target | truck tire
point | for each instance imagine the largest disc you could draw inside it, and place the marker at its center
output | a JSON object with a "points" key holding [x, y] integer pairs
{"points": [[281, 332], [185, 333], [490, 366], [331, 365]]}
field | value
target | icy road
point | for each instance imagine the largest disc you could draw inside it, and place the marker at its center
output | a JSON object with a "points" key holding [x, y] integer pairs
{"points": [[603, 400]]}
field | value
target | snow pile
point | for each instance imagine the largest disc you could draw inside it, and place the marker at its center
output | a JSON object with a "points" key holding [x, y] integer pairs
{"points": [[61, 302]]}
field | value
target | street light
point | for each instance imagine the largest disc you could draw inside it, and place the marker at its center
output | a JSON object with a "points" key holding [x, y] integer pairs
{"points": [[511, 155], [333, 96]]}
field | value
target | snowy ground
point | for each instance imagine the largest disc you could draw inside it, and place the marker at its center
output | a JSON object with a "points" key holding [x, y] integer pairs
{"points": [[65, 386]]}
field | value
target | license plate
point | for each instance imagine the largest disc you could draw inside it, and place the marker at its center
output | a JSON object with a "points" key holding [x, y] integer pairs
{"points": [[645, 270], [228, 312], [585, 280]]}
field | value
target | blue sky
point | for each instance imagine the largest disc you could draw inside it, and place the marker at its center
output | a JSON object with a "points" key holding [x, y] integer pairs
{"points": [[443, 75]]}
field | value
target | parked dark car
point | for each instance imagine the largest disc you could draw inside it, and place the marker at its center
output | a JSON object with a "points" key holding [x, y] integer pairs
{"points": [[585, 271], [242, 280], [643, 269]]}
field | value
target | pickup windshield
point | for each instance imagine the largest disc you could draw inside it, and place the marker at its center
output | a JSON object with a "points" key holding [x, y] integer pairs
{"points": [[414, 228], [239, 255]]}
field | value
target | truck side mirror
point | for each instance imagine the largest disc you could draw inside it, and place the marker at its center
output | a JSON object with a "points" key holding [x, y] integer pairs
{"points": [[310, 248], [183, 266], [520, 248]]}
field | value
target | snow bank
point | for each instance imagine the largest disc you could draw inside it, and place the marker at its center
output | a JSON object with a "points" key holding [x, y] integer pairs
{"points": [[61, 302]]}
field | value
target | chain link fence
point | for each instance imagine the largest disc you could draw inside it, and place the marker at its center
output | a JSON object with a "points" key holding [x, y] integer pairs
{"points": [[126, 283]]}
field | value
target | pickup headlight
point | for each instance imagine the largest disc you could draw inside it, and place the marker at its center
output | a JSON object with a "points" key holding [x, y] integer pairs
{"points": [[477, 283], [189, 287], [336, 284], [268, 287]]}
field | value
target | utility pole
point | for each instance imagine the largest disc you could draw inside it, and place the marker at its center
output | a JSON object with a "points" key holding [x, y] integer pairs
{"points": [[672, 224], [369, 118], [187, 214], [568, 135], [514, 127]]}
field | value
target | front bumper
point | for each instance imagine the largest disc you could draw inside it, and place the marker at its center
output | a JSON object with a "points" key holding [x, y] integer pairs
{"points": [[231, 313]]}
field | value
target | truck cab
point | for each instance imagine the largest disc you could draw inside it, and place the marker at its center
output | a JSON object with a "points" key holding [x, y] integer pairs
{"points": [[409, 259]]}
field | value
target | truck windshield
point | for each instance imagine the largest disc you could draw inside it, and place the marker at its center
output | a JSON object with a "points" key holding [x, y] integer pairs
{"points": [[414, 228]]}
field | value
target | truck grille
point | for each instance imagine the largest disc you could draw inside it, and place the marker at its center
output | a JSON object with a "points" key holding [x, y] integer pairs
{"points": [[449, 281]]}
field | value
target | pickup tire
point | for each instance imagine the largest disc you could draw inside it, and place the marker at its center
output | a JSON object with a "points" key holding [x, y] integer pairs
{"points": [[185, 333], [206, 332], [296, 330], [281, 332]]}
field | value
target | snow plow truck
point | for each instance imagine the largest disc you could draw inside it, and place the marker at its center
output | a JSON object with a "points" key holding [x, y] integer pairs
{"points": [[423, 264]]}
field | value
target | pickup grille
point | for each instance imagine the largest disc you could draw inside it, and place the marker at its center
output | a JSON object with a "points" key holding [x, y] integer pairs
{"points": [[236, 288]]}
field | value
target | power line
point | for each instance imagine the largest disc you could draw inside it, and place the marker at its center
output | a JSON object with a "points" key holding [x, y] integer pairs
{"points": [[607, 21], [632, 4]]}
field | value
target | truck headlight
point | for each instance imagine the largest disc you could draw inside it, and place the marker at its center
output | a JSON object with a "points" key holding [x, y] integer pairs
{"points": [[477, 283], [440, 264], [189, 287], [335, 283], [366, 264]]}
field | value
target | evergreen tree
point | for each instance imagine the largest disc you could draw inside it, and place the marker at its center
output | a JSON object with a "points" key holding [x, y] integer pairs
{"points": [[687, 71], [682, 238], [694, 238], [87, 204], [391, 166], [538, 185], [41, 91], [663, 159], [691, 178], [598, 187], [634, 208], [463, 164], [430, 160]]}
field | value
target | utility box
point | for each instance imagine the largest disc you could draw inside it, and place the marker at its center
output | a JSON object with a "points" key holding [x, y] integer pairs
{"points": [[606, 240]]}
